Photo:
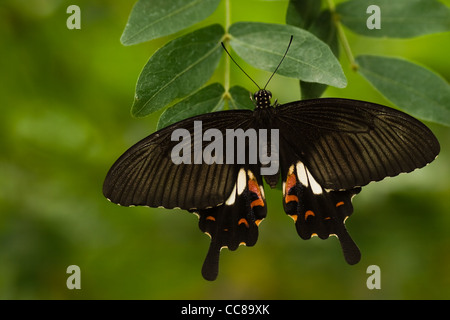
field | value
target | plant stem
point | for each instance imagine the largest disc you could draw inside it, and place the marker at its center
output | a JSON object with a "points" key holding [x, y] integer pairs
{"points": [[341, 34], [226, 39]]}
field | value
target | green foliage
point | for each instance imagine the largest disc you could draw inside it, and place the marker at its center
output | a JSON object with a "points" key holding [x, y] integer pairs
{"points": [[400, 18], [153, 19], [263, 46], [240, 98], [206, 100], [411, 87], [186, 63], [302, 13], [178, 69], [321, 25]]}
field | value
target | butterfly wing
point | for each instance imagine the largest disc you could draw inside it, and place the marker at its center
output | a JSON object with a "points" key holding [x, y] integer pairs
{"points": [[348, 143], [331, 147], [228, 198], [318, 212], [236, 221], [146, 175]]}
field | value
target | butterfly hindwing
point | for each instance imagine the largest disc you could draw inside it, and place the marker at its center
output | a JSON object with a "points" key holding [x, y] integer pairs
{"points": [[236, 221], [316, 211]]}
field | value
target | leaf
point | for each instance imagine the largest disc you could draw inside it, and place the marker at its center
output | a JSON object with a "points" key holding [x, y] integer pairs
{"points": [[415, 89], [176, 70], [151, 19], [240, 98], [309, 59], [206, 100], [399, 18], [311, 90], [325, 29], [302, 13]]}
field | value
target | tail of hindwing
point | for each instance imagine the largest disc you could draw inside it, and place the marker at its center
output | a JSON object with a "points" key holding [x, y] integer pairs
{"points": [[317, 211]]}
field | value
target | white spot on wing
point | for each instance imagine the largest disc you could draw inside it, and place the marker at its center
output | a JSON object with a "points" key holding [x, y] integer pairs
{"points": [[241, 182], [315, 186], [232, 198], [291, 169], [239, 186], [261, 189], [306, 179], [251, 176], [301, 174]]}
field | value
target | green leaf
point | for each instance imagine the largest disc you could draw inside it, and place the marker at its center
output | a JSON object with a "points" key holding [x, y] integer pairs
{"points": [[240, 98], [206, 100], [415, 89], [311, 90], [176, 70], [309, 59], [302, 13], [325, 29], [399, 18], [151, 19]]}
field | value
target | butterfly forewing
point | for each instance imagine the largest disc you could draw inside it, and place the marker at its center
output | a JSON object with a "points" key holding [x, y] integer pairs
{"points": [[348, 143], [146, 174]]}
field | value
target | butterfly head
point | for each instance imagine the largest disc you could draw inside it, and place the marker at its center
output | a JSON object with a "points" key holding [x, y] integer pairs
{"points": [[262, 98]]}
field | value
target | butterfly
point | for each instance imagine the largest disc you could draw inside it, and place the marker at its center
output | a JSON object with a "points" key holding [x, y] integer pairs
{"points": [[327, 149]]}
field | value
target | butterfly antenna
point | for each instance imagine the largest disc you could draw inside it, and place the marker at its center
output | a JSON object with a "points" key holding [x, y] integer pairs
{"points": [[239, 66], [284, 56]]}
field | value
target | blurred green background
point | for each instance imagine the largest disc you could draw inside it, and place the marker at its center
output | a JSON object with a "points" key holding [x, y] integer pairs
{"points": [[65, 99]]}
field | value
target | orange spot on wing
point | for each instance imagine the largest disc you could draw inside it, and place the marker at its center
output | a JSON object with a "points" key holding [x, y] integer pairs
{"points": [[339, 204], [294, 217], [309, 213], [257, 202], [211, 218], [290, 198], [253, 186], [291, 181], [257, 222], [243, 221]]}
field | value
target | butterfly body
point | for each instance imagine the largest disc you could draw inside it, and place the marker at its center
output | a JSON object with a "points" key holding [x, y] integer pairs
{"points": [[327, 149]]}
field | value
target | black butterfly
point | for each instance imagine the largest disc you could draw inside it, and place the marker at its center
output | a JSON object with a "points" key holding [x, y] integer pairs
{"points": [[328, 149]]}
